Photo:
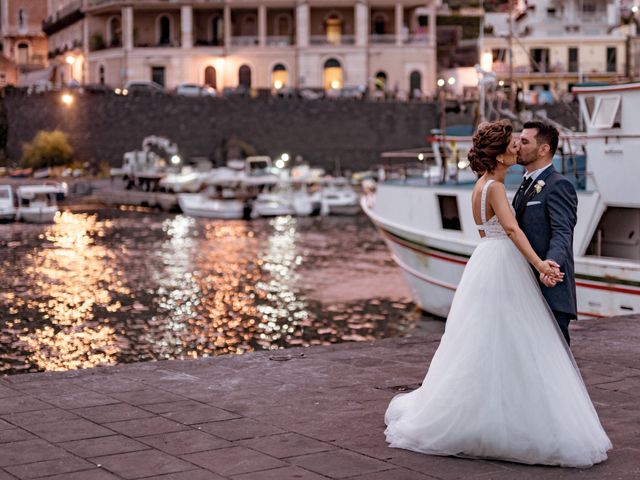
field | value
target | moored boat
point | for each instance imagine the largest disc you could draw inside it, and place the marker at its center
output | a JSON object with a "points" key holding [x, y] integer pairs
{"points": [[430, 231]]}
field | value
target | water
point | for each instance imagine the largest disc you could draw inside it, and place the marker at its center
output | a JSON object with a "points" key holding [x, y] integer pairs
{"points": [[131, 285]]}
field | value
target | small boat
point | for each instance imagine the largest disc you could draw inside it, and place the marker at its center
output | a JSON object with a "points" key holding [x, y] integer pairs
{"points": [[339, 198], [222, 198], [37, 203], [187, 181], [287, 197], [7, 207]]}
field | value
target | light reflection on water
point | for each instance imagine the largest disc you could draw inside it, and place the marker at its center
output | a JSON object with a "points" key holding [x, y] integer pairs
{"points": [[122, 286]]}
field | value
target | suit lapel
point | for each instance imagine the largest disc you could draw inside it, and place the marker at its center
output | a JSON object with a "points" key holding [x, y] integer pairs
{"points": [[531, 192]]}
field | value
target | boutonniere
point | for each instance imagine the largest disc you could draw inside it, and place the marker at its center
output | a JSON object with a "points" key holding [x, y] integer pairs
{"points": [[539, 186]]}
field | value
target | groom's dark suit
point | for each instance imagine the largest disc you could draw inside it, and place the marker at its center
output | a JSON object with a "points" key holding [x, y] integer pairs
{"points": [[548, 219]]}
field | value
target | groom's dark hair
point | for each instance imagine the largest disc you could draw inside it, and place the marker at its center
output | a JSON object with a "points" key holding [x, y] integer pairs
{"points": [[546, 134]]}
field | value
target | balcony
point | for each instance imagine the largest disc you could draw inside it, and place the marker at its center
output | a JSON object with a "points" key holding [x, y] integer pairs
{"points": [[338, 40], [280, 40], [63, 18], [382, 39], [245, 41]]}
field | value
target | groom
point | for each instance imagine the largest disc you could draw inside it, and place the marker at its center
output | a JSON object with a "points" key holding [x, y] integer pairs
{"points": [[545, 206]]}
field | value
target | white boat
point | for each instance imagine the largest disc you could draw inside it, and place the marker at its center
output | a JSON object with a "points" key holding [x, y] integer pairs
{"points": [[7, 207], [37, 203], [430, 231], [338, 197], [186, 181], [203, 205], [287, 197]]}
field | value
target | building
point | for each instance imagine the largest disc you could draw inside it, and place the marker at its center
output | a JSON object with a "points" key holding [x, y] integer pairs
{"points": [[259, 44], [556, 43], [24, 44]]}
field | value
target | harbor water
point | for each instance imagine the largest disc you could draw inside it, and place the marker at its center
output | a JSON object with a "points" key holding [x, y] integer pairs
{"points": [[130, 284]]}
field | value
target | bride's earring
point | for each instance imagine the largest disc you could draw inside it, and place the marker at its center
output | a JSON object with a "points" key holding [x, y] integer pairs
{"points": [[500, 160]]}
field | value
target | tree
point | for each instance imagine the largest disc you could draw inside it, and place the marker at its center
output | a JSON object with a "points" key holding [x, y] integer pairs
{"points": [[47, 149]]}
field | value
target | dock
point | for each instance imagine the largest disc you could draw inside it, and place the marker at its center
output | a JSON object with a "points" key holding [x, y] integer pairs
{"points": [[306, 414]]}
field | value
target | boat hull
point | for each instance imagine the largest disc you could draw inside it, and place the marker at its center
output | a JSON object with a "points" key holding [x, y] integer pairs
{"points": [[433, 266], [196, 205], [37, 214]]}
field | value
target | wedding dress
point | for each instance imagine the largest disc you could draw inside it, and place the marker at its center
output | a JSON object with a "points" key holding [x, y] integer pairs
{"points": [[503, 383]]}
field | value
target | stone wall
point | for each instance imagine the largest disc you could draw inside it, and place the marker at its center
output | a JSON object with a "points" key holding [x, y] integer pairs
{"points": [[351, 134]]}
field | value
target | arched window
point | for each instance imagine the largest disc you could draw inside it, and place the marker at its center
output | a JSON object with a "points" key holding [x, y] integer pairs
{"points": [[381, 81], [217, 30], [333, 27], [114, 37], [22, 55], [248, 27], [379, 24], [279, 76], [282, 25], [210, 77], [415, 84], [101, 74], [165, 30], [332, 74], [244, 76]]}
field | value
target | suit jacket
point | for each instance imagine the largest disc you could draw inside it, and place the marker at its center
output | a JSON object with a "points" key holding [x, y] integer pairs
{"points": [[548, 219]]}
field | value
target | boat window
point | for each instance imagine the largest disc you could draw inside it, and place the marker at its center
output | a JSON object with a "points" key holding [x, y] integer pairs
{"points": [[590, 102], [617, 234], [4, 193], [449, 214], [607, 112]]}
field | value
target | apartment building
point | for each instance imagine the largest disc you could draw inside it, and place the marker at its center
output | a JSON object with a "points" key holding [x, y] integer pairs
{"points": [[261, 44], [557, 43], [24, 44]]}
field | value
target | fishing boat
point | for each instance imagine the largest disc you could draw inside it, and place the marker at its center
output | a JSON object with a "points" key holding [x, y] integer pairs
{"points": [[429, 228], [7, 207], [37, 203]]}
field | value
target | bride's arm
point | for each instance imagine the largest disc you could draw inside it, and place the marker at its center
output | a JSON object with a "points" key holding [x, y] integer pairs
{"points": [[500, 204]]}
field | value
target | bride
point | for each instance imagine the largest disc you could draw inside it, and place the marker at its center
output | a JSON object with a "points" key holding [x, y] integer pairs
{"points": [[503, 383]]}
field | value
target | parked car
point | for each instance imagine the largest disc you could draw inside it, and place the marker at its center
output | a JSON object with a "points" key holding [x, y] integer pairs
{"points": [[194, 90], [139, 87], [97, 89], [240, 91]]}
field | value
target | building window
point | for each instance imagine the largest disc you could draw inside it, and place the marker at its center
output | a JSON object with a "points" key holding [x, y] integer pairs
{"points": [[217, 31], [499, 54], [248, 27], [158, 75], [282, 25], [22, 19], [279, 76], [114, 38], [210, 77], [449, 214], [22, 57], [415, 84], [333, 27], [381, 81], [165, 30], [612, 59], [101, 74], [573, 59], [540, 60], [379, 24], [244, 76], [332, 74]]}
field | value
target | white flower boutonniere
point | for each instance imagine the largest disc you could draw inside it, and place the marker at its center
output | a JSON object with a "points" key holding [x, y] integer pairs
{"points": [[539, 186]]}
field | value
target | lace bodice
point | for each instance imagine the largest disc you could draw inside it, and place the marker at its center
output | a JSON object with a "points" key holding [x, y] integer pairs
{"points": [[491, 227]]}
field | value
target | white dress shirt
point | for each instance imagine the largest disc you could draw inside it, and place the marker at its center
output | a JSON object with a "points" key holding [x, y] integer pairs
{"points": [[536, 173]]}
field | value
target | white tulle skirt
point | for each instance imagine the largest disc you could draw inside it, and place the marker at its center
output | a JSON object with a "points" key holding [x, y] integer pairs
{"points": [[503, 383]]}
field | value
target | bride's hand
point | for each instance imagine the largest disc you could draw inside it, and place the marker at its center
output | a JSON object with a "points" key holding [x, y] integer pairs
{"points": [[551, 269]]}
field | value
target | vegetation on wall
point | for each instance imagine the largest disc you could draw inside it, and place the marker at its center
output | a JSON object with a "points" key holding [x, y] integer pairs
{"points": [[47, 149]]}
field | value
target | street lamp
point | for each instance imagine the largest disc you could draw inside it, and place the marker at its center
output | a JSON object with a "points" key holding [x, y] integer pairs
{"points": [[451, 81], [67, 99], [70, 59], [441, 82]]}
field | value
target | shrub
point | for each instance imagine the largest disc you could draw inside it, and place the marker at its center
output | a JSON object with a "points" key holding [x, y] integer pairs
{"points": [[47, 149]]}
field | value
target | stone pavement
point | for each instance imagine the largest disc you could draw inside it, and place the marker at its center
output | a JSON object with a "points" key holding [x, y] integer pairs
{"points": [[305, 414]]}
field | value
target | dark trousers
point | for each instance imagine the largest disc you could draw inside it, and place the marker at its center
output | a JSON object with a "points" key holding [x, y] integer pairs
{"points": [[563, 320]]}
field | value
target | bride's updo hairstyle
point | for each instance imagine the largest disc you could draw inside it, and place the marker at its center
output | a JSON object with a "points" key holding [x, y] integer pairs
{"points": [[490, 140]]}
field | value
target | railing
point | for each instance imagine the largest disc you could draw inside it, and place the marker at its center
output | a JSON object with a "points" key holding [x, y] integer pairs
{"points": [[417, 38], [63, 17], [102, 3], [280, 41], [382, 39], [245, 41], [324, 40]]}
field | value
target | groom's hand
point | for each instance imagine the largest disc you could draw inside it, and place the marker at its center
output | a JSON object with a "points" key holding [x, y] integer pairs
{"points": [[551, 280]]}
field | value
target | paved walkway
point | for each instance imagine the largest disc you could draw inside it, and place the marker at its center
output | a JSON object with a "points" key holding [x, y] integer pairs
{"points": [[304, 414]]}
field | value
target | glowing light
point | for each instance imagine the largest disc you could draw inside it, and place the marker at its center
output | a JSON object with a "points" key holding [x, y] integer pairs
{"points": [[441, 82], [285, 157], [501, 83], [486, 61], [421, 156], [278, 84], [70, 59], [175, 159], [280, 163], [635, 9], [67, 99], [335, 84], [451, 81], [219, 63]]}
